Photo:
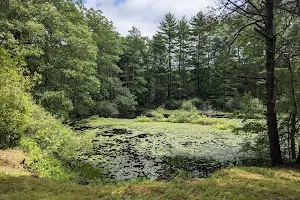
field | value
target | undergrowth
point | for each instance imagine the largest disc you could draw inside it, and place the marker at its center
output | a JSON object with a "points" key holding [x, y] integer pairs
{"points": [[191, 115], [232, 183]]}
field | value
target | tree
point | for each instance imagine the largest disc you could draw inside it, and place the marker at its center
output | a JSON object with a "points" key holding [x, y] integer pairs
{"points": [[262, 16], [56, 43], [132, 62], [159, 56], [109, 46], [167, 29], [183, 42], [198, 50]]}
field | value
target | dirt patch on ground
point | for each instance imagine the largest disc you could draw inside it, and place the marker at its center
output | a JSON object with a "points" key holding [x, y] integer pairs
{"points": [[11, 162]]}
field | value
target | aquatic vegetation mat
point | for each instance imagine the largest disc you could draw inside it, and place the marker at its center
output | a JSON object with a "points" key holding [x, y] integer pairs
{"points": [[128, 149]]}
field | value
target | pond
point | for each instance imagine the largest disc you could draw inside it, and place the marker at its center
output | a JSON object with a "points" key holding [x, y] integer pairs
{"points": [[126, 149]]}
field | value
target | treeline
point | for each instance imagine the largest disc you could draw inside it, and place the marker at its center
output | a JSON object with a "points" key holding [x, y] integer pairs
{"points": [[83, 67], [193, 58]]}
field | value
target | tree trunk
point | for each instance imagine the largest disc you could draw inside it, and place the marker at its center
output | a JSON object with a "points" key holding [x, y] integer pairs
{"points": [[294, 111], [179, 73], [270, 84], [170, 70]]}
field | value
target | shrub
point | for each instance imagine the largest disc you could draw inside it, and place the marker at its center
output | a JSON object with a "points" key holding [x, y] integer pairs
{"points": [[122, 96], [233, 103], [197, 102], [15, 101], [106, 108], [191, 116], [188, 105], [207, 109], [44, 140], [57, 103], [252, 114], [125, 103], [173, 104], [24, 123]]}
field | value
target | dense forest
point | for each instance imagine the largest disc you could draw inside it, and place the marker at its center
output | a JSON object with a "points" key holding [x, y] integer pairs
{"points": [[84, 67], [232, 72]]}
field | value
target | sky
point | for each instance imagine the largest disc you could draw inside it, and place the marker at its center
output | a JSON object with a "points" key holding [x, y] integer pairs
{"points": [[146, 14]]}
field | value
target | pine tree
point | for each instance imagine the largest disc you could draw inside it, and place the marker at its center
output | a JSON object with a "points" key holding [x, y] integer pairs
{"points": [[168, 28], [132, 62], [182, 54]]}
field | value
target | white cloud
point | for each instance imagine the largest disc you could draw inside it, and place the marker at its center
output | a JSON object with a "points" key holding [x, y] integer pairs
{"points": [[146, 14]]}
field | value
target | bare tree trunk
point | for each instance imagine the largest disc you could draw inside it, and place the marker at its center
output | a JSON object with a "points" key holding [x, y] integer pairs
{"points": [[271, 100]]}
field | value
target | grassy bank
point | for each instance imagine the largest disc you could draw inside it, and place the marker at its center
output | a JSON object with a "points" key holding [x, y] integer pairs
{"points": [[233, 183]]}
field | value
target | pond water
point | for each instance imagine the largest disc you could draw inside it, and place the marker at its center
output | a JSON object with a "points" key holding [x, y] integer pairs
{"points": [[125, 154]]}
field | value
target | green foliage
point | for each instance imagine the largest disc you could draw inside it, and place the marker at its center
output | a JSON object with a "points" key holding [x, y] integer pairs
{"points": [[132, 62], [192, 116], [172, 104], [252, 114], [188, 105], [44, 140], [252, 108], [73, 49], [15, 101], [27, 124], [106, 108], [58, 103], [124, 99], [197, 102]]}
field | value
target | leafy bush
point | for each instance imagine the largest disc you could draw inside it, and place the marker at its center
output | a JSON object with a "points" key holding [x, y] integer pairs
{"points": [[57, 103], [126, 103], [144, 119], [254, 123], [252, 108], [172, 104], [197, 102], [15, 101], [233, 104], [24, 123], [188, 105], [44, 140], [106, 108]]}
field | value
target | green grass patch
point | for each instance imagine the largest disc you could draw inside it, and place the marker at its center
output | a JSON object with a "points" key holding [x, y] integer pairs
{"points": [[232, 183]]}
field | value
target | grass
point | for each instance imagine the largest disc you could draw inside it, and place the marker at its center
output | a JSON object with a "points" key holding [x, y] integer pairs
{"points": [[232, 183]]}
